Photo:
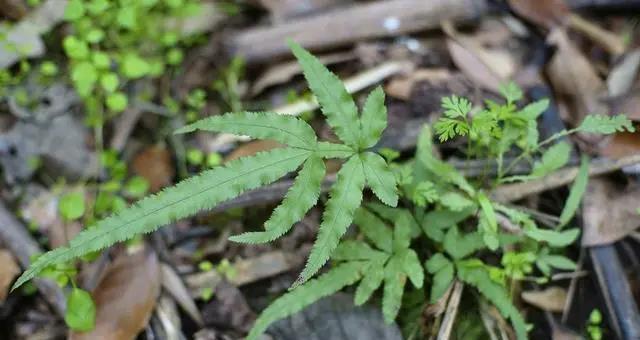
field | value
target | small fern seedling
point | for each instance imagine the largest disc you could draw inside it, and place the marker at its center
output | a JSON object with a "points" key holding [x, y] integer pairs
{"points": [[209, 188]]}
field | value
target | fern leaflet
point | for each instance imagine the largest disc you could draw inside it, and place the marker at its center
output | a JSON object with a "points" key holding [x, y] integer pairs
{"points": [[374, 229], [299, 199], [288, 130], [345, 198], [335, 102], [186, 198], [394, 281], [296, 300], [374, 118], [380, 178], [370, 282]]}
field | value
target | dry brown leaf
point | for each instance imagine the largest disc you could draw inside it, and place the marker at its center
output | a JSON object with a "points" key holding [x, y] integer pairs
{"points": [[610, 212], [282, 73], [173, 284], [551, 299], [574, 77], [622, 75], [9, 269], [251, 148], [630, 105], [544, 13], [400, 87], [620, 145], [155, 165], [487, 68], [125, 297]]}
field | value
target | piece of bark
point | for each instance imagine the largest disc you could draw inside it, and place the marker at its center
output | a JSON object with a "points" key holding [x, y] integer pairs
{"points": [[14, 236], [354, 23]]}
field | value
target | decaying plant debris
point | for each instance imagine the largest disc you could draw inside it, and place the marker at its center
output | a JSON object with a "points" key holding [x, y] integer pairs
{"points": [[433, 169]]}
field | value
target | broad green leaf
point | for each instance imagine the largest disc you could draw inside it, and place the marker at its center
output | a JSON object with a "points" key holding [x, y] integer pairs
{"points": [[374, 229], [435, 221], [488, 212], [392, 214], [412, 267], [305, 295], [374, 118], [370, 283], [402, 233], [456, 201], [336, 103], [460, 246], [81, 311], [133, 67], [302, 195], [436, 262], [553, 238], [288, 130], [394, 282], [380, 178], [182, 200], [558, 261], [357, 251], [553, 159], [345, 198], [71, 205], [84, 77], [606, 124], [442, 279], [534, 110], [575, 195], [117, 102]]}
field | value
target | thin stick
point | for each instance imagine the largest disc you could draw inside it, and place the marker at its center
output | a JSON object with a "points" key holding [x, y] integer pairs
{"points": [[452, 310]]}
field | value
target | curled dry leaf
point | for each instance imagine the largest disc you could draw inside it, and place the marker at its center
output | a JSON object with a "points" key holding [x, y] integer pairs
{"points": [[544, 13], [154, 164], [9, 269], [551, 299], [125, 297], [609, 212]]}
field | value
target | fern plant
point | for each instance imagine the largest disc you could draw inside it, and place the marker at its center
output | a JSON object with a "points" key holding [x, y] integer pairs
{"points": [[357, 132]]}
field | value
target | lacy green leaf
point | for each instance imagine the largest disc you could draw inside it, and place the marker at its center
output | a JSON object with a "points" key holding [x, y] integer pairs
{"points": [[345, 198], [182, 200], [380, 178], [374, 118], [575, 195], [606, 124], [336, 103], [302, 195], [299, 298], [288, 130]]}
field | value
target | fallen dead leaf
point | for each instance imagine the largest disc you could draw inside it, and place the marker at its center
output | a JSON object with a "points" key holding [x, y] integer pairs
{"points": [[629, 105], [125, 297], [251, 148], [155, 165], [610, 212], [282, 73], [173, 284], [621, 144], [551, 299], [487, 68], [9, 269], [400, 87], [622, 75], [544, 13]]}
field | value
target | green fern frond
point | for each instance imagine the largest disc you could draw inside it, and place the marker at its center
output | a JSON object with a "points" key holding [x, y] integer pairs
{"points": [[373, 276], [288, 130], [374, 229], [186, 198], [296, 300], [336, 103], [374, 118], [332, 150], [299, 199], [345, 198], [357, 251], [606, 124], [412, 267], [394, 282], [380, 178]]}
